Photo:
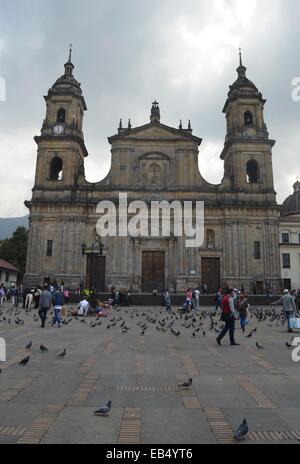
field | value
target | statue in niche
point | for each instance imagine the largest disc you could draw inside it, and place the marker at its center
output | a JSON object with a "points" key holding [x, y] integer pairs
{"points": [[211, 240], [154, 175]]}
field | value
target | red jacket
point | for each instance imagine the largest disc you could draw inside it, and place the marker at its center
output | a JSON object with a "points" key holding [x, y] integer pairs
{"points": [[225, 304]]}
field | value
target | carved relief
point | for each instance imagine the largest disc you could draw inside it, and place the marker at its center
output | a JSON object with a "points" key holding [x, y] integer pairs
{"points": [[154, 168]]}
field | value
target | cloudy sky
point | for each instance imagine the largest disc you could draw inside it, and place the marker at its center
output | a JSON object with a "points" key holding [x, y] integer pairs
{"points": [[128, 53]]}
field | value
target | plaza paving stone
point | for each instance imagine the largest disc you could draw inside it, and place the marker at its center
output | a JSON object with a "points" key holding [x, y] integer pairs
{"points": [[52, 400]]}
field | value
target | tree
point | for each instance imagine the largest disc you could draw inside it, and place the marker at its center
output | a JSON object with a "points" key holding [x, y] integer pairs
{"points": [[14, 250]]}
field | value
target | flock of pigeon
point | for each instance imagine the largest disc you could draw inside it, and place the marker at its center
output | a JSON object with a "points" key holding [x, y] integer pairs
{"points": [[199, 324]]}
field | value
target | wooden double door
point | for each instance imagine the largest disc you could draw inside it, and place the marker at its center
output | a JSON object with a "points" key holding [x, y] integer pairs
{"points": [[211, 274], [95, 277], [153, 271]]}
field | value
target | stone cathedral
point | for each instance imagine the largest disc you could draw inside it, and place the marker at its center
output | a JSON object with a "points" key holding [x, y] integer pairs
{"points": [[154, 162]]}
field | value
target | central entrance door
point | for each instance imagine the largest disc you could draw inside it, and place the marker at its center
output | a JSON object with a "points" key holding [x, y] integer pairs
{"points": [[153, 271], [96, 272], [211, 275]]}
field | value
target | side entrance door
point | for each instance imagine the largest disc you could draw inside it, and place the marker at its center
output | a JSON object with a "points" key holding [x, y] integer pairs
{"points": [[211, 274], [96, 272], [153, 271]]}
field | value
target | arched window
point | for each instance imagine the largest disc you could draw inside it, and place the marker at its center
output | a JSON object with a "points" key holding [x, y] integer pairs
{"points": [[252, 172], [210, 239], [56, 169], [61, 115], [248, 118]]}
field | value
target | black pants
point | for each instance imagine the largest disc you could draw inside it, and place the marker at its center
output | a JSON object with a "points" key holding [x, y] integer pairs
{"points": [[43, 315], [229, 326]]}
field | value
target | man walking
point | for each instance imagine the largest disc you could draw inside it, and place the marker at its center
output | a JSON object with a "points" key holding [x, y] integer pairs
{"points": [[229, 316], [218, 299], [58, 302], [45, 305], [289, 307]]}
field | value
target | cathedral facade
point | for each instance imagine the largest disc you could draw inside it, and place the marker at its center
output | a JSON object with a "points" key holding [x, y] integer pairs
{"points": [[154, 162]]}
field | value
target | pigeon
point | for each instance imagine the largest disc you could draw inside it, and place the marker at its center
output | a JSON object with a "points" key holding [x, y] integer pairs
{"points": [[104, 411], [288, 345], [194, 335], [204, 333], [242, 431], [177, 334], [43, 348], [62, 355], [25, 361], [29, 346], [250, 335], [187, 384], [259, 347]]}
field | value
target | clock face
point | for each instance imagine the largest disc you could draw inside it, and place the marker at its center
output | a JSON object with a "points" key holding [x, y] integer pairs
{"points": [[59, 129]]}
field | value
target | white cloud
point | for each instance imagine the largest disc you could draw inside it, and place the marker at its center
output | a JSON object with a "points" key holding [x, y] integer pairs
{"points": [[19, 153], [128, 53]]}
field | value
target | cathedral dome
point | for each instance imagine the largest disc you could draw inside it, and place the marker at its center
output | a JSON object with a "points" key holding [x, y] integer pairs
{"points": [[67, 82], [243, 83], [292, 204]]}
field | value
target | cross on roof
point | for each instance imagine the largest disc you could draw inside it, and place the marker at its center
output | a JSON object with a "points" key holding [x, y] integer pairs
{"points": [[70, 53]]}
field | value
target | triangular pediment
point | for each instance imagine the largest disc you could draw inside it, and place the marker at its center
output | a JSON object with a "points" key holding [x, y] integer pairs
{"points": [[155, 132]]}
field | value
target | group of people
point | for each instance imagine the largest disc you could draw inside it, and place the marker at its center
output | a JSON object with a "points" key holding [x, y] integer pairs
{"points": [[51, 296], [235, 306], [121, 297], [11, 294]]}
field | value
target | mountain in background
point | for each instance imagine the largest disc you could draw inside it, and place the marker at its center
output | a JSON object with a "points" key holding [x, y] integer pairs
{"points": [[9, 225]]}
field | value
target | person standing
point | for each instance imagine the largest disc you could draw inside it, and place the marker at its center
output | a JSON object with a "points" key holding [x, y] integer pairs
{"points": [[242, 307], [289, 307], [188, 300], [67, 295], [2, 295], [37, 296], [168, 301], [197, 299], [29, 299], [218, 299], [58, 302], [45, 305], [117, 297], [229, 316]]}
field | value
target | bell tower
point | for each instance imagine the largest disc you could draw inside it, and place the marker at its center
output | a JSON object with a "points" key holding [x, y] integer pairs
{"points": [[247, 153], [61, 148]]}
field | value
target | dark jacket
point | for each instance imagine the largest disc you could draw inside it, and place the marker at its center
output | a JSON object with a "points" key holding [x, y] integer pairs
{"points": [[45, 299], [58, 298]]}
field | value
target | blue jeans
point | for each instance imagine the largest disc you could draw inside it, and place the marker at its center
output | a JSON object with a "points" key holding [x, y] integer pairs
{"points": [[56, 317], [288, 317], [229, 326], [243, 320]]}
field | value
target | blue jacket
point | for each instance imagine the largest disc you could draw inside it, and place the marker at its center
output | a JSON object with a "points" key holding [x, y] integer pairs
{"points": [[58, 298]]}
